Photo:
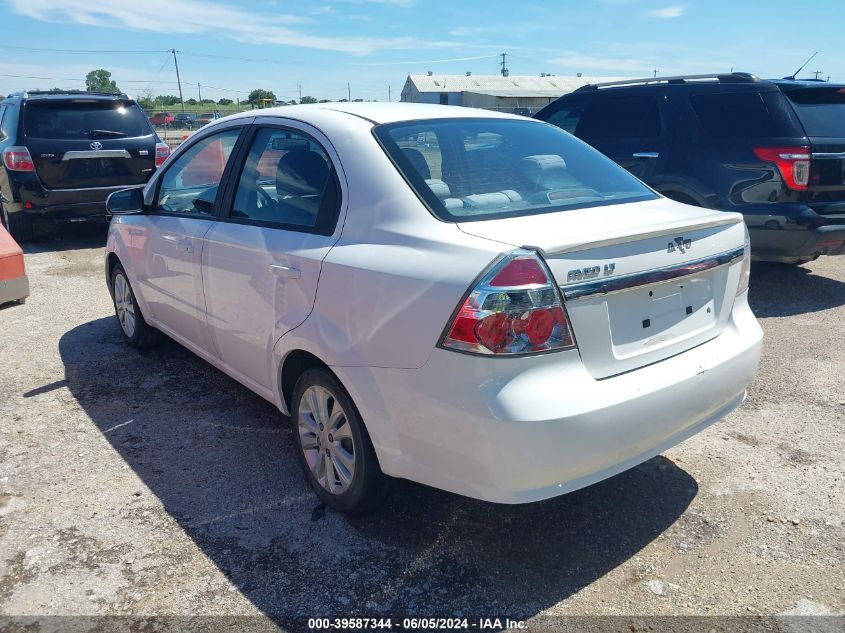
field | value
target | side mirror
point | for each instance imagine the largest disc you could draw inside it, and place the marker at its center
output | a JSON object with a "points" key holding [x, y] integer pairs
{"points": [[126, 202]]}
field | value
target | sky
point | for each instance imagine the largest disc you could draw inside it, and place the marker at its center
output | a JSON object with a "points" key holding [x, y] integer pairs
{"points": [[320, 46]]}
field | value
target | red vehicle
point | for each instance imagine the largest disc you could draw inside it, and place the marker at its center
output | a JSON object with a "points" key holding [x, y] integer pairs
{"points": [[162, 118], [14, 285]]}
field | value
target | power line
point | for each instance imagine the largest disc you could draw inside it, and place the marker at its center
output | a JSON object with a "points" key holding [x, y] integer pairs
{"points": [[82, 51]]}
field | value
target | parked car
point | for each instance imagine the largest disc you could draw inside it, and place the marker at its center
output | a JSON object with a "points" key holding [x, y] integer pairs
{"points": [[771, 150], [185, 121], [63, 153], [14, 284], [208, 117], [161, 119], [505, 313]]}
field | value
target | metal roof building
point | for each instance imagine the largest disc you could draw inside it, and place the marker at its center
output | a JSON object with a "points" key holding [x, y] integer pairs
{"points": [[522, 94]]}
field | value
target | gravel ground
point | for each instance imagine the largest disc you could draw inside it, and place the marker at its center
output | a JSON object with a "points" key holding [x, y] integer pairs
{"points": [[136, 484]]}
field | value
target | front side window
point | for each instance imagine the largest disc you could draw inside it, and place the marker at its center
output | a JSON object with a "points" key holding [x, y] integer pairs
{"points": [[287, 180], [620, 117], [190, 184], [481, 169]]}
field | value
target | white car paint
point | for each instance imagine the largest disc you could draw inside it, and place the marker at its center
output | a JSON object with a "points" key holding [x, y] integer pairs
{"points": [[372, 300]]}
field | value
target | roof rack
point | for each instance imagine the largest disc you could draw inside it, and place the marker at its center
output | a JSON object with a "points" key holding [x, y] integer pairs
{"points": [[41, 93], [678, 79]]}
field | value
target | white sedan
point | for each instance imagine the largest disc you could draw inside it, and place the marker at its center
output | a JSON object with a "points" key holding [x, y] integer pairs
{"points": [[476, 301]]}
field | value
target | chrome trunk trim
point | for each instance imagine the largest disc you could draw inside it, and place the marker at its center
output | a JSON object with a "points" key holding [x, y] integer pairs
{"points": [[610, 285], [97, 153]]}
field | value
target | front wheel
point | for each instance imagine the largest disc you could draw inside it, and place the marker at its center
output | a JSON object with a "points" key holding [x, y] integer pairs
{"points": [[135, 329], [334, 447]]}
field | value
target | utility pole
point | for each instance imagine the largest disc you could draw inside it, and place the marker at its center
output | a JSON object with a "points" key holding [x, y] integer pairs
{"points": [[300, 93], [655, 72], [388, 95], [348, 92], [178, 80], [817, 73], [505, 71], [199, 91]]}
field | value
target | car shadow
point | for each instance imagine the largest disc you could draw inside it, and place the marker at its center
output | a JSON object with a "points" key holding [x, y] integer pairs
{"points": [[780, 290], [221, 462], [69, 237]]}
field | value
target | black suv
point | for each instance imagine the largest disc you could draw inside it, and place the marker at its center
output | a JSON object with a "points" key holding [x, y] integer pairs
{"points": [[64, 153], [771, 150]]}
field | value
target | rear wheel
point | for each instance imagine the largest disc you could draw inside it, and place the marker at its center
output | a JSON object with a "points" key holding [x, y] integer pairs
{"points": [[334, 447], [135, 329]]}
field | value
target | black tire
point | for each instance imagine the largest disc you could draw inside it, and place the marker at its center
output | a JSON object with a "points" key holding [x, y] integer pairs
{"points": [[141, 335], [367, 482]]}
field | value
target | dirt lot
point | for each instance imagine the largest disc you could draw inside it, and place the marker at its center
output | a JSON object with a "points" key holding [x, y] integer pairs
{"points": [[143, 484]]}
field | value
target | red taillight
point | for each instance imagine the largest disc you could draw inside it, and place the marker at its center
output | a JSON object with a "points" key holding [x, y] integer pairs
{"points": [[792, 162], [18, 159], [516, 308], [162, 152], [520, 272]]}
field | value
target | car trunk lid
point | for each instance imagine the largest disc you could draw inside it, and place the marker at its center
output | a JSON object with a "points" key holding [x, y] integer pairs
{"points": [[86, 143], [641, 281]]}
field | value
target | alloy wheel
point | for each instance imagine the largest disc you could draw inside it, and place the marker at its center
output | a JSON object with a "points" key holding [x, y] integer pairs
{"points": [[326, 439]]}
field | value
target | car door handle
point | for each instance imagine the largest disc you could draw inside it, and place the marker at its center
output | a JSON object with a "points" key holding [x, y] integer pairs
{"points": [[182, 245], [646, 154], [285, 271]]}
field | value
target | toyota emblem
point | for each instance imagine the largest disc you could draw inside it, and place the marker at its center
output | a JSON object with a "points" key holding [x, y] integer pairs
{"points": [[96, 145]]}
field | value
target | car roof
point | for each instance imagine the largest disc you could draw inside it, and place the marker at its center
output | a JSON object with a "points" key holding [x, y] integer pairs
{"points": [[377, 112], [805, 83], [72, 96]]}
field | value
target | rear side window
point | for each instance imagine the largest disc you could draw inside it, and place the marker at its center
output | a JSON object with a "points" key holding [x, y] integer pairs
{"points": [[88, 119], [567, 115], [620, 117], [821, 110], [742, 115], [486, 168]]}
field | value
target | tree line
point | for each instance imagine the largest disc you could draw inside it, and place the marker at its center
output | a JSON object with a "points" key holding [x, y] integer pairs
{"points": [[100, 80]]}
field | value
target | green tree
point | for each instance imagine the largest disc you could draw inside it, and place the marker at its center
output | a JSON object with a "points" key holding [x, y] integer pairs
{"points": [[308, 99], [225, 102], [259, 95], [168, 100], [100, 81], [191, 102]]}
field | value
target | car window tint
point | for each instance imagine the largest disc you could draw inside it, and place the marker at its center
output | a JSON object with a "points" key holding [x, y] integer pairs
{"points": [[191, 181], [739, 115], [84, 120], [285, 180], [821, 109], [2, 124], [619, 117], [491, 168], [567, 116]]}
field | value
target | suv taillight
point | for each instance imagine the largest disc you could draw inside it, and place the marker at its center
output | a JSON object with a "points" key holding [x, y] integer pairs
{"points": [[162, 152], [516, 308], [792, 162], [18, 159]]}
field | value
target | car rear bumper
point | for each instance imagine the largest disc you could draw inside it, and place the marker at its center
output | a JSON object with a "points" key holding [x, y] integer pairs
{"points": [[61, 205], [524, 429], [790, 244], [14, 289]]}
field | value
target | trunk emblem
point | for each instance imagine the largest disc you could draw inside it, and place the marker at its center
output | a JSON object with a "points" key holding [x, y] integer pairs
{"points": [[96, 145], [590, 272], [680, 244]]}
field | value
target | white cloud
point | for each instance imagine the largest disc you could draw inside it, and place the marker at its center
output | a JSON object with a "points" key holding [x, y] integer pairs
{"points": [[578, 62], [673, 11], [202, 16]]}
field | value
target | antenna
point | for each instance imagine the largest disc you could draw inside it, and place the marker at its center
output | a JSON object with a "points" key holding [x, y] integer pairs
{"points": [[800, 68], [505, 71]]}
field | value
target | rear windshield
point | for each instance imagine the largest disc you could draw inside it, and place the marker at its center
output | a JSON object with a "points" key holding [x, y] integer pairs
{"points": [[743, 114], [84, 120], [821, 110], [482, 169]]}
